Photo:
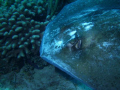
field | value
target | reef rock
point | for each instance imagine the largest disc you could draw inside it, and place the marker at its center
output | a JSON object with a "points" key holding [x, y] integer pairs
{"points": [[84, 41]]}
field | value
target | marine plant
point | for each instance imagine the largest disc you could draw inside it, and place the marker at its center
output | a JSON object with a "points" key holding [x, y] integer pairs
{"points": [[52, 6]]}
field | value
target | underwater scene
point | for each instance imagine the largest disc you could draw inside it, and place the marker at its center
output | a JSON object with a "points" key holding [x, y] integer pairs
{"points": [[59, 44]]}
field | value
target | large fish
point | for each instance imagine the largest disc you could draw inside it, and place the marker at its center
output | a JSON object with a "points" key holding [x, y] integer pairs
{"points": [[84, 41]]}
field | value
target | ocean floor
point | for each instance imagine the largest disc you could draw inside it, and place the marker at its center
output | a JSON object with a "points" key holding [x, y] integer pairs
{"points": [[48, 78]]}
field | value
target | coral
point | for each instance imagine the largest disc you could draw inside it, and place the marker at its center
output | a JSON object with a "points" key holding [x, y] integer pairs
{"points": [[7, 3], [22, 24], [21, 28]]}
